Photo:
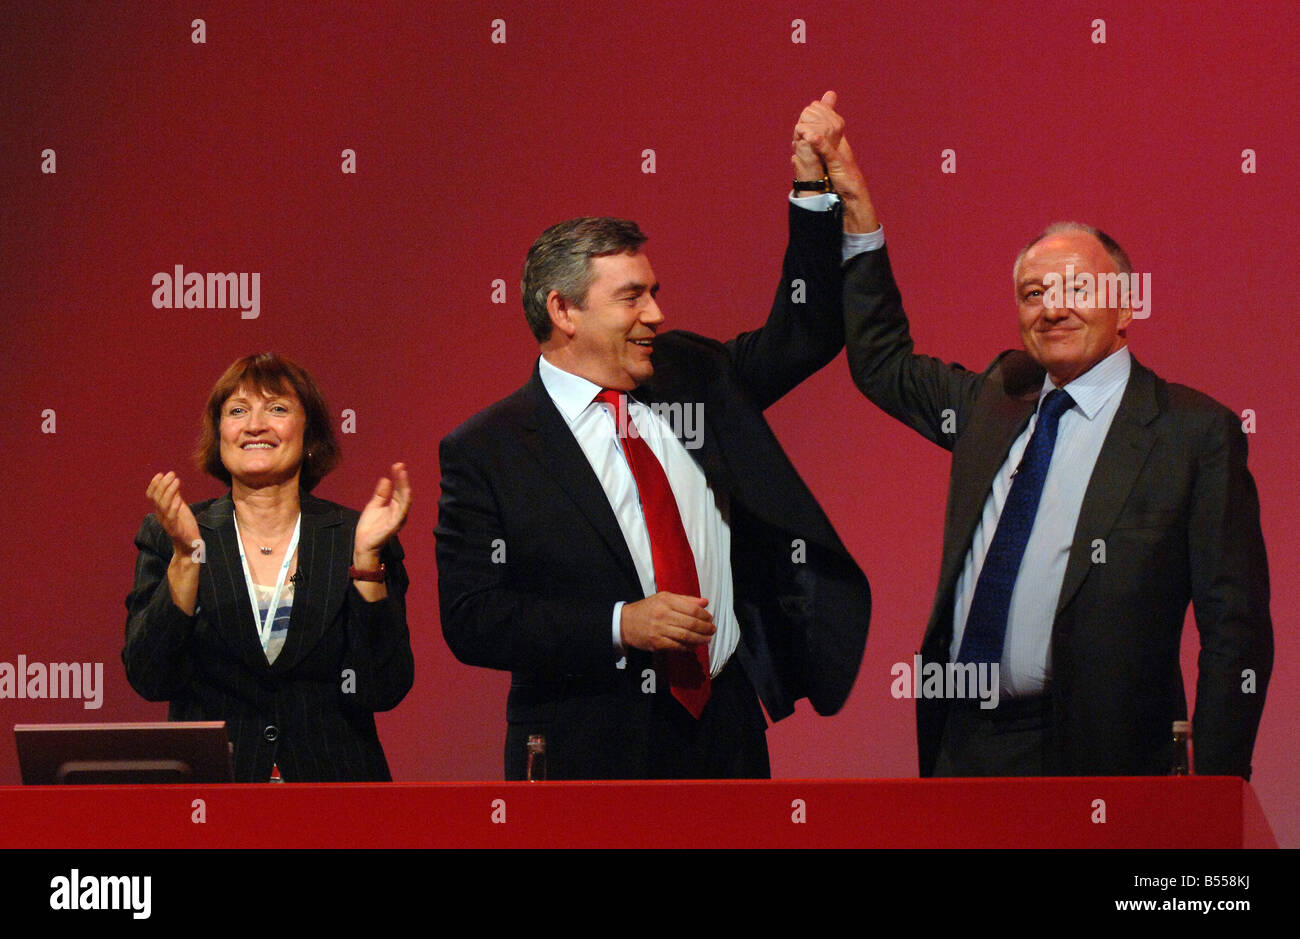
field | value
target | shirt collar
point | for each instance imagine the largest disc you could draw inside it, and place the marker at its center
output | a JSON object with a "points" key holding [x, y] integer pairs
{"points": [[1097, 385], [571, 393]]}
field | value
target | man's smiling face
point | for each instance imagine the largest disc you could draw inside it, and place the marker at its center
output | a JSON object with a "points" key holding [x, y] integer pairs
{"points": [[1071, 337], [614, 329]]}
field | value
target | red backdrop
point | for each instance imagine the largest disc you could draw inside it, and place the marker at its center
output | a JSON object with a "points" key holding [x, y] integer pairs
{"points": [[226, 155]]}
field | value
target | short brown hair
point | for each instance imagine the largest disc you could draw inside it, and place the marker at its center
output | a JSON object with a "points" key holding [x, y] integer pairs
{"points": [[271, 374]]}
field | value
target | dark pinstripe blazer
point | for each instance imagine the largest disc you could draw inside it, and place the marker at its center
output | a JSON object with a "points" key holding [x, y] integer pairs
{"points": [[304, 713]]}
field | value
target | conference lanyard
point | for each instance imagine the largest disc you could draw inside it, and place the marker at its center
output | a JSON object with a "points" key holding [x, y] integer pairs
{"points": [[264, 625]]}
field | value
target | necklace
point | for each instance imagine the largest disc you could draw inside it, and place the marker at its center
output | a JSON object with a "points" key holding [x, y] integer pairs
{"points": [[267, 549]]}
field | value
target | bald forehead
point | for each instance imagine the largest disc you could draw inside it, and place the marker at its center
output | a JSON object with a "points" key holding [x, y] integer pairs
{"points": [[1076, 247], [1076, 241]]}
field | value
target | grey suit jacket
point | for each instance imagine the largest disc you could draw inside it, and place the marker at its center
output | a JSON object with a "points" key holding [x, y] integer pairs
{"points": [[1175, 508]]}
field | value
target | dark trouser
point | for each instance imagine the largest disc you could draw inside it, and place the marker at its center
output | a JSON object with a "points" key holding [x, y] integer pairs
{"points": [[729, 741], [1008, 740]]}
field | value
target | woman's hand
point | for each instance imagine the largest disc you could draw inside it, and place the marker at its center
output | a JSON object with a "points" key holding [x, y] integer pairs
{"points": [[176, 518], [383, 517], [178, 521]]}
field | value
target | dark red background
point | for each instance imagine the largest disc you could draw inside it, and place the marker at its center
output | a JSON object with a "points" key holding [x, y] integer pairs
{"points": [[226, 157]]}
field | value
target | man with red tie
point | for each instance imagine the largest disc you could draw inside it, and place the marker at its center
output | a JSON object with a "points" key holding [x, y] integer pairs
{"points": [[625, 535]]}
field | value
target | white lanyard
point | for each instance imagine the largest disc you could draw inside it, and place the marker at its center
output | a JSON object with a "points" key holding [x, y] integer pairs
{"points": [[264, 626]]}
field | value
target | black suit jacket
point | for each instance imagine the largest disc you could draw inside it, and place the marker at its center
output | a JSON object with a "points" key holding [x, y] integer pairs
{"points": [[1170, 502], [531, 559], [305, 713]]}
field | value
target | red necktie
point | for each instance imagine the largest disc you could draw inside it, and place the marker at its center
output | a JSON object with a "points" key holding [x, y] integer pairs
{"points": [[674, 564]]}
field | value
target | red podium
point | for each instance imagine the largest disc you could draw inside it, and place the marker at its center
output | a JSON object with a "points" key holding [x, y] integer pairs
{"points": [[1089, 812]]}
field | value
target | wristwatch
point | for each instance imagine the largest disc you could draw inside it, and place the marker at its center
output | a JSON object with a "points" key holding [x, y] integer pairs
{"points": [[813, 185]]}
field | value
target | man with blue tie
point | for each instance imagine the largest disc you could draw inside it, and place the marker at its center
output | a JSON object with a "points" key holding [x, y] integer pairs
{"points": [[1090, 502]]}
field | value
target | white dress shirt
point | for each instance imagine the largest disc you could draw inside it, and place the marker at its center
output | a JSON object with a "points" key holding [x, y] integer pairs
{"points": [[704, 513]]}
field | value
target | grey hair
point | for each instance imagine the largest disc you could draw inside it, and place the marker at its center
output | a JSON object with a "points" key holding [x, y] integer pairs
{"points": [[560, 260], [1116, 253]]}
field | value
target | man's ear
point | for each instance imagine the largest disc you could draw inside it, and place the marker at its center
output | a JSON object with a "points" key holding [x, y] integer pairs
{"points": [[561, 312], [1125, 319]]}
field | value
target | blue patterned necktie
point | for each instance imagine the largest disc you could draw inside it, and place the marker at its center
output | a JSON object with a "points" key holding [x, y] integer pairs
{"points": [[986, 624]]}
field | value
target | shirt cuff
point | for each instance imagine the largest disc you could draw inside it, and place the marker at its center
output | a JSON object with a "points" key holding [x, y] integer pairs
{"points": [[855, 244], [852, 245], [616, 625], [817, 202]]}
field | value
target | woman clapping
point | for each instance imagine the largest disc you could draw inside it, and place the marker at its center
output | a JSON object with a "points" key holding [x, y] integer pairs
{"points": [[280, 613]]}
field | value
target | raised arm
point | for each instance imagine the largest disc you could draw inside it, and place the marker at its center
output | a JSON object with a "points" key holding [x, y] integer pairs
{"points": [[378, 641], [805, 329], [158, 652], [930, 396]]}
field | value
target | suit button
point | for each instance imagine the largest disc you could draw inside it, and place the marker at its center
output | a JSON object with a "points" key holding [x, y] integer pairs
{"points": [[271, 733]]}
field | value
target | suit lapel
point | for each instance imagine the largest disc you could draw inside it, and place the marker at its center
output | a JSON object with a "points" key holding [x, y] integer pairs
{"points": [[978, 456], [1122, 456], [323, 559], [551, 441], [226, 605], [324, 555], [985, 444]]}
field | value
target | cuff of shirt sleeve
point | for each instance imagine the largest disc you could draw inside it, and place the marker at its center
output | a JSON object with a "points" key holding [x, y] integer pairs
{"points": [[855, 244], [616, 625], [817, 202]]}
